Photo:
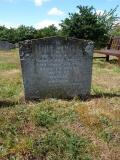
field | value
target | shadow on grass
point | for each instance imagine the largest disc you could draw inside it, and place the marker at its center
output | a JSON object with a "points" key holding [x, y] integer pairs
{"points": [[7, 103], [99, 57], [113, 61], [103, 59], [105, 95]]}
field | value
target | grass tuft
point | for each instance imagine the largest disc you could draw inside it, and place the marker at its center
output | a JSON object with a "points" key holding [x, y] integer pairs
{"points": [[45, 116], [62, 144]]}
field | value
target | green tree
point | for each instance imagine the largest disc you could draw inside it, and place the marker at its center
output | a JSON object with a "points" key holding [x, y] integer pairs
{"points": [[116, 31], [24, 33], [49, 31], [3, 33], [11, 35], [87, 24]]}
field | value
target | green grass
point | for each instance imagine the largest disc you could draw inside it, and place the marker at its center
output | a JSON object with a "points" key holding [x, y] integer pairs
{"points": [[59, 129], [9, 90], [62, 144], [7, 66], [41, 133], [45, 117], [116, 69]]}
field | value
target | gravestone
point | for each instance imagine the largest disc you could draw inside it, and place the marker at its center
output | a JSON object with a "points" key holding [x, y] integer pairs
{"points": [[5, 45], [56, 67]]}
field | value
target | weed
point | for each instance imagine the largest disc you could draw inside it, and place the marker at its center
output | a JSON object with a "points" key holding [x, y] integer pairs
{"points": [[62, 144], [106, 136], [105, 121], [45, 116]]}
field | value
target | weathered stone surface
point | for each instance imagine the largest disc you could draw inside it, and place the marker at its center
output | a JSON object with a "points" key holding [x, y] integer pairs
{"points": [[4, 45], [56, 67]]}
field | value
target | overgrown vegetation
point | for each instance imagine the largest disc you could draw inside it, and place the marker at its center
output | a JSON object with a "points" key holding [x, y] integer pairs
{"points": [[58, 129], [62, 144]]}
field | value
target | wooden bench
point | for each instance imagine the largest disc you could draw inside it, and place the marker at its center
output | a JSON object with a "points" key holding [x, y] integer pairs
{"points": [[112, 49]]}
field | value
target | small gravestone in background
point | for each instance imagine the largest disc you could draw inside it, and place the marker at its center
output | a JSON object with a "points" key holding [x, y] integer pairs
{"points": [[56, 67], [5, 45]]}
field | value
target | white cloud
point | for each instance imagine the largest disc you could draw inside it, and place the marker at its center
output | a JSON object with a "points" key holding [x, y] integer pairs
{"points": [[46, 23], [39, 2], [99, 12], [55, 11], [9, 24]]}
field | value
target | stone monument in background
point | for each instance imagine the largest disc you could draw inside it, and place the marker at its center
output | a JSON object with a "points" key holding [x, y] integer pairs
{"points": [[5, 45], [57, 67]]}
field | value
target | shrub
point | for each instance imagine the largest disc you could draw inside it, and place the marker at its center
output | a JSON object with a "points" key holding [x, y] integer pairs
{"points": [[88, 24]]}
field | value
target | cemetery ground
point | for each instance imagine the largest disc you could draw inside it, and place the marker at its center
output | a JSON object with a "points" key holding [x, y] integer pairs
{"points": [[59, 129]]}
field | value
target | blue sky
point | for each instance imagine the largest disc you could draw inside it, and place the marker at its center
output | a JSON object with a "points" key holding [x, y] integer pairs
{"points": [[41, 13]]}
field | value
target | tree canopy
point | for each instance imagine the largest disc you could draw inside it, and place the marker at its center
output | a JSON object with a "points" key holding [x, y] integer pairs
{"points": [[88, 24], [84, 24], [24, 33]]}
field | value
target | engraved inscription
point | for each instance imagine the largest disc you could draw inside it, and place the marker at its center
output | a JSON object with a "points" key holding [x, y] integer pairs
{"points": [[56, 66]]}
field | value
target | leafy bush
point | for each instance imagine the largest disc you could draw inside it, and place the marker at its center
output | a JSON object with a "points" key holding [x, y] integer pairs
{"points": [[88, 24]]}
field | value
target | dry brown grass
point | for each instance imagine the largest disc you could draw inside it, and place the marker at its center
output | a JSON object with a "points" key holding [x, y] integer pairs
{"points": [[97, 119]]}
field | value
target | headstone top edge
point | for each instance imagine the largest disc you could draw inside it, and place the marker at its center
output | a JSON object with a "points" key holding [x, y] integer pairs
{"points": [[57, 38]]}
